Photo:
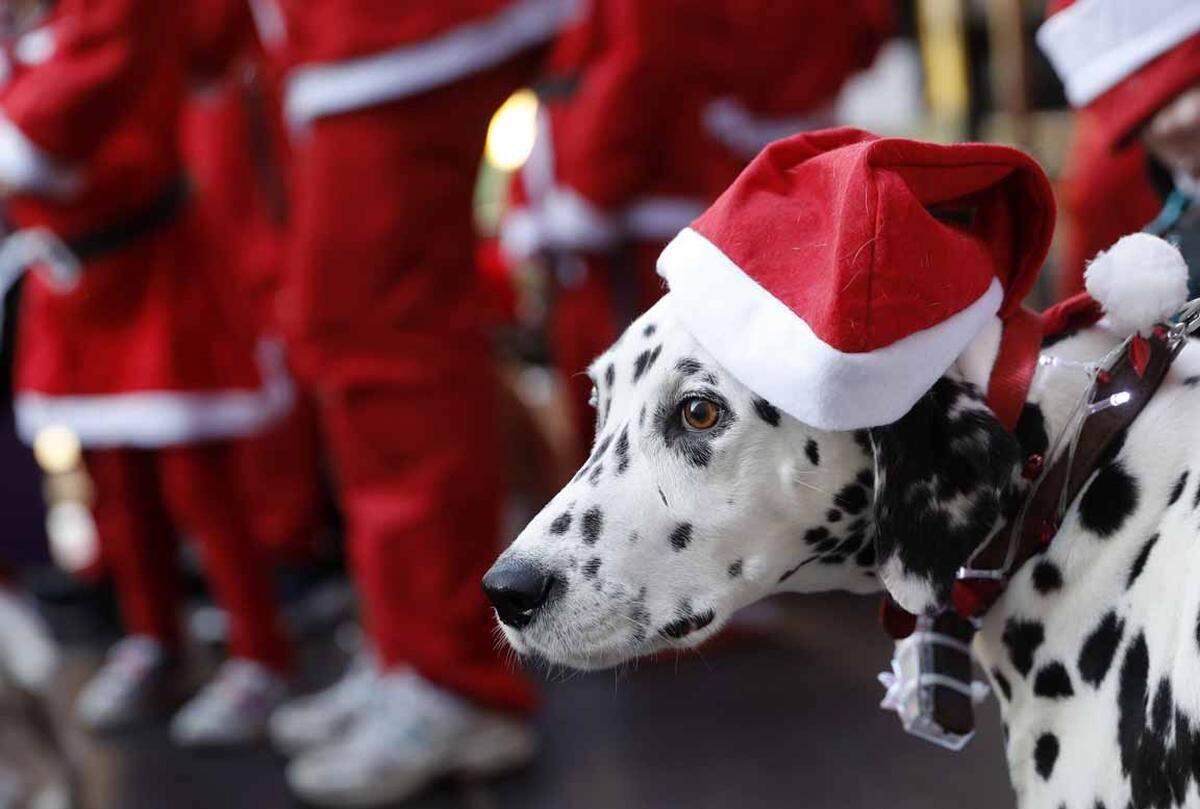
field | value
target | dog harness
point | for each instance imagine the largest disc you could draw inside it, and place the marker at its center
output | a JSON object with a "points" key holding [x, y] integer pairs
{"points": [[930, 685]]}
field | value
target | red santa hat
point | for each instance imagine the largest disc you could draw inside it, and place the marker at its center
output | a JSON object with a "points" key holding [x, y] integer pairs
{"points": [[1123, 60], [842, 273]]}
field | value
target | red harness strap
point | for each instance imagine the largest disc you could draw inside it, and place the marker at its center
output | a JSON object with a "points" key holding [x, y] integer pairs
{"points": [[1016, 362]]}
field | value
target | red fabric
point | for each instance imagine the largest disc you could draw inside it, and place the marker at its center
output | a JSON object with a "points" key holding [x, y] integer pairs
{"points": [[383, 306], [106, 102], [1105, 195], [332, 30], [280, 473], [1016, 363], [632, 123], [144, 499], [107, 58], [219, 31], [150, 317], [1077, 312], [837, 225], [236, 155], [1127, 107]]}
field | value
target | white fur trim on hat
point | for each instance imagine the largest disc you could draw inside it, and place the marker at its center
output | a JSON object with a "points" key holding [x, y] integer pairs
{"points": [[774, 353], [1140, 281], [1095, 44]]}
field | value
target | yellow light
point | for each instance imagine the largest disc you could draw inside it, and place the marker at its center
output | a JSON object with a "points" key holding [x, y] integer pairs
{"points": [[512, 131], [57, 449]]}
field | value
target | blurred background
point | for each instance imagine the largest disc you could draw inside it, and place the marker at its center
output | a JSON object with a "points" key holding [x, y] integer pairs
{"points": [[536, 176]]}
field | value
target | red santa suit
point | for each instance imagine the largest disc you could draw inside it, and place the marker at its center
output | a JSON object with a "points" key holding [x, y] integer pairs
{"points": [[139, 357], [646, 121], [389, 104], [235, 150], [1119, 68]]}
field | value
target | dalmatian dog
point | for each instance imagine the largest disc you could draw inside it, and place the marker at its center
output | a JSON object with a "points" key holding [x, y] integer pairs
{"points": [[700, 498]]}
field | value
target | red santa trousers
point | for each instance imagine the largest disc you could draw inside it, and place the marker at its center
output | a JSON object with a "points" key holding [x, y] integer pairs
{"points": [[386, 323], [142, 498]]}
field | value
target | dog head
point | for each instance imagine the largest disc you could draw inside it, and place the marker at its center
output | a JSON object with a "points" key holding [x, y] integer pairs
{"points": [[700, 498]]}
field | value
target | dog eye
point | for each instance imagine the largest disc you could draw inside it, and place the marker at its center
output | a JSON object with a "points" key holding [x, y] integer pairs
{"points": [[593, 398], [699, 414]]}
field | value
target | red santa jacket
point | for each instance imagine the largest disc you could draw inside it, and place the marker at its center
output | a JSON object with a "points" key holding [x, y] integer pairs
{"points": [[140, 351], [653, 108], [87, 114], [236, 152], [349, 54], [1123, 60]]}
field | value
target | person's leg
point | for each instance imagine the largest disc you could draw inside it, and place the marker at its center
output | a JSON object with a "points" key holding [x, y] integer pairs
{"points": [[139, 550], [138, 542], [280, 470], [390, 331], [207, 501]]}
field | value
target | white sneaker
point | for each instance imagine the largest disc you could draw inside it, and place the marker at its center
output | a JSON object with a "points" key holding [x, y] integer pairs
{"points": [[28, 653], [132, 686], [318, 719], [412, 734], [232, 709]]}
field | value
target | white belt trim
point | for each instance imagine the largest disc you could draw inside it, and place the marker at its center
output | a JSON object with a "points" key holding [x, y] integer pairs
{"points": [[153, 419], [1094, 44], [25, 167], [566, 220], [745, 133], [316, 90]]}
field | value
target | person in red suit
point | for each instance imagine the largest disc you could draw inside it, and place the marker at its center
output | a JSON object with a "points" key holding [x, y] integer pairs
{"points": [[1135, 77], [388, 105], [235, 151], [645, 122], [123, 340]]}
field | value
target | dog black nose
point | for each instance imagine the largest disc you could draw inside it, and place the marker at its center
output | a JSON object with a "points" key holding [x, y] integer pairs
{"points": [[516, 589]]}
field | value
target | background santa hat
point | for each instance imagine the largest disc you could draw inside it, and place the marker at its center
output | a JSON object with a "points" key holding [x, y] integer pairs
{"points": [[1121, 59], [842, 273]]}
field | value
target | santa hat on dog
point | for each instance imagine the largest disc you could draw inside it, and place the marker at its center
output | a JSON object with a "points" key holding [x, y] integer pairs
{"points": [[843, 273]]}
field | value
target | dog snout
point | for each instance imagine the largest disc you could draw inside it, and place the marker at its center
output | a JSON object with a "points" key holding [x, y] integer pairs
{"points": [[517, 589]]}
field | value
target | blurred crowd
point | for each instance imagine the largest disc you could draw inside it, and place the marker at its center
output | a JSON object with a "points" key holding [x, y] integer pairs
{"points": [[266, 311]]}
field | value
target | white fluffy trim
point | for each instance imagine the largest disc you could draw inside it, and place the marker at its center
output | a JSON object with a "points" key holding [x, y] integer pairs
{"points": [[1140, 281]]}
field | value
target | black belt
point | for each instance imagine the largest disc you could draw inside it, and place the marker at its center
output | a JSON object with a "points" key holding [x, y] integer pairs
{"points": [[159, 212]]}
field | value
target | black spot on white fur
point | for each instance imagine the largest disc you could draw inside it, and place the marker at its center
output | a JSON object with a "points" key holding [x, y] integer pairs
{"points": [[1099, 648], [766, 411], [621, 451], [687, 623], [812, 452], [561, 524], [1139, 562], [1022, 638], [1045, 754], [1053, 682], [681, 537], [591, 568], [735, 569], [1003, 684], [644, 362], [1047, 578], [1177, 489], [593, 524], [1108, 500]]}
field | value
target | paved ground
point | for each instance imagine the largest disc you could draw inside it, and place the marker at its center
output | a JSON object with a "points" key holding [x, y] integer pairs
{"points": [[789, 725]]}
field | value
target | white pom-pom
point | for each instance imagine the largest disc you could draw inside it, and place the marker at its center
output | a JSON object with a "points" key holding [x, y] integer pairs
{"points": [[1140, 281]]}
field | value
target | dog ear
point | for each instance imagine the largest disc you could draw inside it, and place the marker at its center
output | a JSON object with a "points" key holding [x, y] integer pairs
{"points": [[945, 473]]}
